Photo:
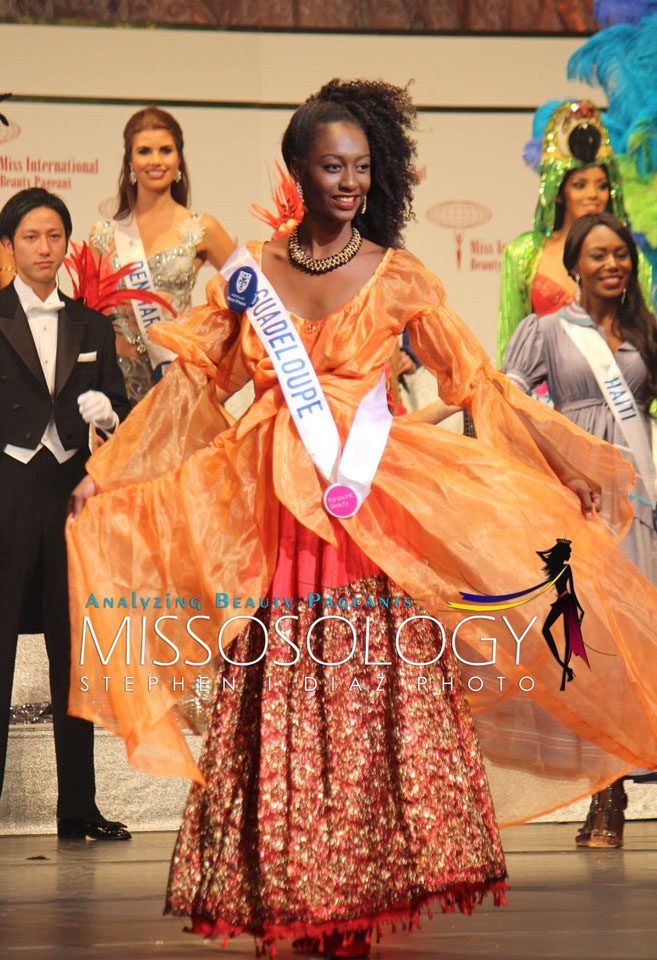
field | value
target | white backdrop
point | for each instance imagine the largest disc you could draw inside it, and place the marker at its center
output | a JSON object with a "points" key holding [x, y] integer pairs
{"points": [[470, 159], [231, 154]]}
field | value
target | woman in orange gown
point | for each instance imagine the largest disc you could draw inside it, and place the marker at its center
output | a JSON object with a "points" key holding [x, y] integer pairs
{"points": [[341, 786]]}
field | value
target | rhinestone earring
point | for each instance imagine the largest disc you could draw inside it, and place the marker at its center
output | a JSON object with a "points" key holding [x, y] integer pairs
{"points": [[178, 176], [623, 294], [132, 176], [578, 290], [363, 207], [300, 191]]}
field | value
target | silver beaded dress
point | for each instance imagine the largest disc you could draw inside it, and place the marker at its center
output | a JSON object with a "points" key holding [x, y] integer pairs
{"points": [[173, 271]]}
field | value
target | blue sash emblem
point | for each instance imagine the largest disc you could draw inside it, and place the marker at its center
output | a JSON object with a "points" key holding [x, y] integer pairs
{"points": [[242, 289]]}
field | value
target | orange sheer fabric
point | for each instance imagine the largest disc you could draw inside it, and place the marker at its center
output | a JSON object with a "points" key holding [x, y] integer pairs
{"points": [[192, 510]]}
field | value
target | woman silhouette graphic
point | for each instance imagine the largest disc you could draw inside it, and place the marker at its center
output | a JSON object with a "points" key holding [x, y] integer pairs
{"points": [[566, 605]]}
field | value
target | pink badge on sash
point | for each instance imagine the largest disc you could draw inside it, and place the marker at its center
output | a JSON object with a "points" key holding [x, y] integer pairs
{"points": [[340, 500]]}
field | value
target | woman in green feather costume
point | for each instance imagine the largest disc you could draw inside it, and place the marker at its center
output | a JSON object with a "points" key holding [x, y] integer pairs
{"points": [[579, 174]]}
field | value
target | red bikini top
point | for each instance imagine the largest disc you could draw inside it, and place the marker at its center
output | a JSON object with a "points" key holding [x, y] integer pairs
{"points": [[548, 296]]}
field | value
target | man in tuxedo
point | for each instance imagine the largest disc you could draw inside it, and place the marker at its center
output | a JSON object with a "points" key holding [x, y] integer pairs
{"points": [[58, 375]]}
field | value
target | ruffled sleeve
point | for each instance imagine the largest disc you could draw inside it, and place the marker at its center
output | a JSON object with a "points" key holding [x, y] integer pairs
{"points": [[184, 411], [207, 337], [524, 361], [501, 412]]}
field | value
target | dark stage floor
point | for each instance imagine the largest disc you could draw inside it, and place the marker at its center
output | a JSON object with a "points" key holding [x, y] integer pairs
{"points": [[93, 901]]}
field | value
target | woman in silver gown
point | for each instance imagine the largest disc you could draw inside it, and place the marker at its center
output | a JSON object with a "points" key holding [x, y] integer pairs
{"points": [[154, 190]]}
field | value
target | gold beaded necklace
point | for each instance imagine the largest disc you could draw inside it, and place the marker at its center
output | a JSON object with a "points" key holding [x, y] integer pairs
{"points": [[311, 265]]}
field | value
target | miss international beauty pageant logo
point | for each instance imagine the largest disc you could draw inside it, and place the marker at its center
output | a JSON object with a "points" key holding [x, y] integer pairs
{"points": [[459, 216]]}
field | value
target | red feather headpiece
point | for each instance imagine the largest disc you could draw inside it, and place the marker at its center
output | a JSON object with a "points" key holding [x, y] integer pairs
{"points": [[96, 283], [289, 206]]}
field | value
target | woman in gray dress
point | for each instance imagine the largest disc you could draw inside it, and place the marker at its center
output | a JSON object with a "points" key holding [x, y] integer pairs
{"points": [[590, 381]]}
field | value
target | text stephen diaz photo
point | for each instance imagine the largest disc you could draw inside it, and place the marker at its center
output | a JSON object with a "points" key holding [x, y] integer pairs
{"points": [[361, 683], [134, 634]]}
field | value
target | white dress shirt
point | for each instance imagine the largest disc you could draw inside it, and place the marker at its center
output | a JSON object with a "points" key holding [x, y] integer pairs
{"points": [[42, 318]]}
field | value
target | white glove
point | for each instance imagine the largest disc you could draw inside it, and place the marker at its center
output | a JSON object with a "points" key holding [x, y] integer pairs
{"points": [[96, 408]]}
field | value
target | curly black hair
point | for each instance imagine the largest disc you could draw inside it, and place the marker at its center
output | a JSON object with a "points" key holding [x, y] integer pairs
{"points": [[634, 321], [386, 116]]}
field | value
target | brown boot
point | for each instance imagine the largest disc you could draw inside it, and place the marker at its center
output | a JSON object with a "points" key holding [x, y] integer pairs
{"points": [[607, 830], [584, 832]]}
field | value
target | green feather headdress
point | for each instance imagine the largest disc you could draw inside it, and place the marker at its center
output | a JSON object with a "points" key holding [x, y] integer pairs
{"points": [[575, 137]]}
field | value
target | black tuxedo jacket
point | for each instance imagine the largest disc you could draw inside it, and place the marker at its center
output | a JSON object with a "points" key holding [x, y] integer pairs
{"points": [[86, 360]]}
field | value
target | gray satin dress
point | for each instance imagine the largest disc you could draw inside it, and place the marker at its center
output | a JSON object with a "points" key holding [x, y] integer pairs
{"points": [[541, 350]]}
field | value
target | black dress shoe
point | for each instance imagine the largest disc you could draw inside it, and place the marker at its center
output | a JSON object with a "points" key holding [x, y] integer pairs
{"points": [[98, 828]]}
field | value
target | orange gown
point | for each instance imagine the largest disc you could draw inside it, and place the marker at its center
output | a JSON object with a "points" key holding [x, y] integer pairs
{"points": [[192, 505]]}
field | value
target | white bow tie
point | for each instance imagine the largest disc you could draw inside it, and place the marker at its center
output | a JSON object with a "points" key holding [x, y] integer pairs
{"points": [[51, 305]]}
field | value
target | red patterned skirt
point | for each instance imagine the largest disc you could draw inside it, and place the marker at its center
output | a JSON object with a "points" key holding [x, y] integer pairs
{"points": [[340, 795]]}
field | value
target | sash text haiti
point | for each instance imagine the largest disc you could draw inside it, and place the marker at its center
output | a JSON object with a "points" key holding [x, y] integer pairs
{"points": [[619, 396]]}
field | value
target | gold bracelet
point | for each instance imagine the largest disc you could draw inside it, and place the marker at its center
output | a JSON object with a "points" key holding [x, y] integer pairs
{"points": [[8, 269]]}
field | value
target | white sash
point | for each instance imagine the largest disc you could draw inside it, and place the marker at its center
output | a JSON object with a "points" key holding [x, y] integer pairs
{"points": [[130, 249], [631, 421], [305, 398]]}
